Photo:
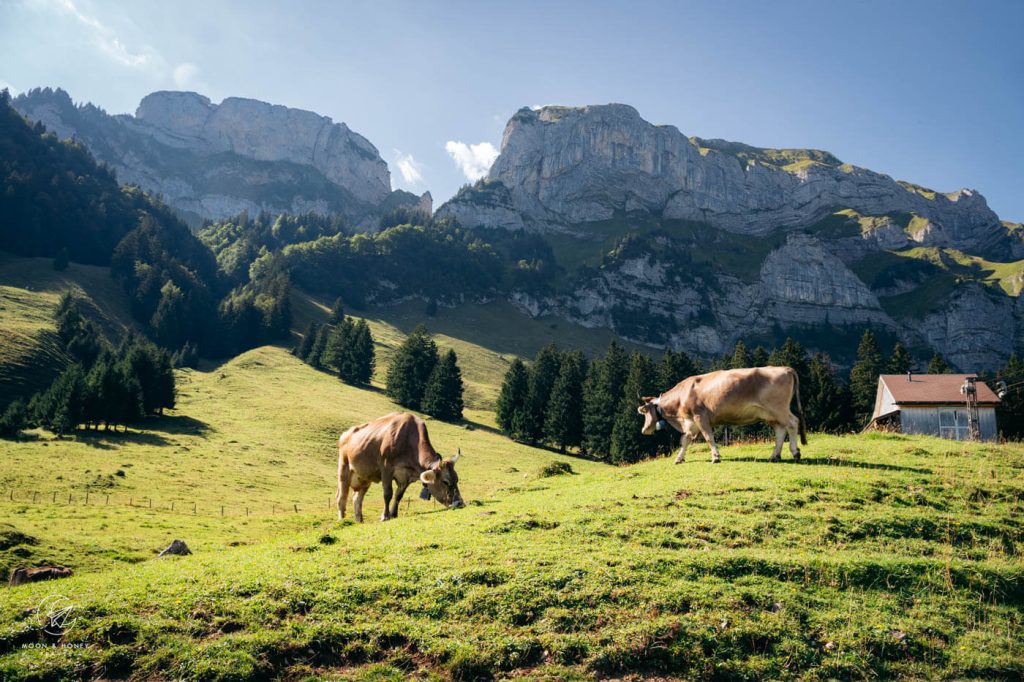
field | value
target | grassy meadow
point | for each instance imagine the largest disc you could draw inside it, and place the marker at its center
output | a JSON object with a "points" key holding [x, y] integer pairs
{"points": [[876, 557]]}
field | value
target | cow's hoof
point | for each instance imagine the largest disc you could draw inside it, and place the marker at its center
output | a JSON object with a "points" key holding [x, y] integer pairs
{"points": [[796, 456], [716, 460], [679, 461], [774, 458]]}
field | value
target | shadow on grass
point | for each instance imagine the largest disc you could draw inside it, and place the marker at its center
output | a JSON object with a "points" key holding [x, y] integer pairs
{"points": [[106, 440], [836, 462], [179, 424]]}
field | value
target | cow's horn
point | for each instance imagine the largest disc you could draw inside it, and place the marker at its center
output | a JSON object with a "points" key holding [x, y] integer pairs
{"points": [[458, 453]]}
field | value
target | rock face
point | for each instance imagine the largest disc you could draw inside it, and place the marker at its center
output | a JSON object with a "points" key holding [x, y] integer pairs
{"points": [[214, 161], [734, 239], [565, 166]]}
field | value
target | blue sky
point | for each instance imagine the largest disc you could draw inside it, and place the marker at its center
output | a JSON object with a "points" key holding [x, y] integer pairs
{"points": [[930, 92]]}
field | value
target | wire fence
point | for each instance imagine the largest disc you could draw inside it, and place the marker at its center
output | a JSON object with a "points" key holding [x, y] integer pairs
{"points": [[193, 507]]}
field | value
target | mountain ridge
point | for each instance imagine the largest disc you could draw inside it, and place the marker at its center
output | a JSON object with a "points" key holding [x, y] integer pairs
{"points": [[211, 161]]}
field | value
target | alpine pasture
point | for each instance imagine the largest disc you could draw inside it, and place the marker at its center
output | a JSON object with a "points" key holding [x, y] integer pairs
{"points": [[877, 556]]}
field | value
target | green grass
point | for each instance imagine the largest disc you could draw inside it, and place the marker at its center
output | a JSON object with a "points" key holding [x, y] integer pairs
{"points": [[29, 291], [878, 556]]}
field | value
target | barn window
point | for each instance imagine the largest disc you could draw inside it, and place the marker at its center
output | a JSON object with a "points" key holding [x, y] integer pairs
{"points": [[953, 424]]}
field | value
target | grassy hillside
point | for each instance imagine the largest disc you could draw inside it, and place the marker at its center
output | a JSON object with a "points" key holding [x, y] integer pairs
{"points": [[29, 291], [881, 556], [256, 435], [486, 338]]}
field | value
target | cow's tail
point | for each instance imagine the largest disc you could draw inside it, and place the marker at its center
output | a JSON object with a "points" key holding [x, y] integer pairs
{"points": [[800, 409]]}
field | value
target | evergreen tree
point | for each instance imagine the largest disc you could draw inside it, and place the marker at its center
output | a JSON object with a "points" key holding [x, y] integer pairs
{"points": [[442, 397], [511, 406], [410, 369], [938, 365], [59, 409], [563, 425], [673, 368], [628, 444], [337, 312], [316, 353], [170, 321], [740, 357], [864, 378], [759, 357], [791, 354], [336, 350], [308, 339], [152, 369], [1010, 411], [823, 397], [601, 398], [14, 419], [900, 361], [187, 356], [362, 356], [543, 374]]}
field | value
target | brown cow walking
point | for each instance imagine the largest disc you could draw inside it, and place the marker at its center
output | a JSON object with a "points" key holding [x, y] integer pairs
{"points": [[736, 396], [395, 451]]}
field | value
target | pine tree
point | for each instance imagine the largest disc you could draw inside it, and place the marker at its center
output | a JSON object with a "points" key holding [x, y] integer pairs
{"points": [[410, 369], [864, 378], [152, 369], [822, 397], [170, 321], [511, 404], [563, 425], [316, 353], [442, 397], [60, 407], [601, 397], [308, 339], [791, 354], [14, 419], [740, 357], [362, 356], [335, 353], [759, 357], [1010, 411], [337, 312], [900, 361], [628, 444], [543, 374], [673, 368], [938, 365]]}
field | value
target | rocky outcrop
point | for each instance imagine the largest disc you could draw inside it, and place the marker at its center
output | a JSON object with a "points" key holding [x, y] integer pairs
{"points": [[216, 160], [814, 223], [562, 167]]}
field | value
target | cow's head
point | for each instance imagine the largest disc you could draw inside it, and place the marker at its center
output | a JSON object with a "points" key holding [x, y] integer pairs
{"points": [[443, 483], [652, 416]]}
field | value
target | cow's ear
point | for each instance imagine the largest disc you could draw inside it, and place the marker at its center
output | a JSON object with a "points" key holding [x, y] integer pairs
{"points": [[428, 477]]}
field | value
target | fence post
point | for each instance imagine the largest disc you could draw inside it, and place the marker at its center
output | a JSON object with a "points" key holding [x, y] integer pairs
{"points": [[151, 503], [34, 496], [222, 510], [87, 497], [172, 506], [69, 498], [55, 497], [296, 509], [108, 499], [131, 501], [12, 494], [193, 507], [273, 509], [246, 512]]}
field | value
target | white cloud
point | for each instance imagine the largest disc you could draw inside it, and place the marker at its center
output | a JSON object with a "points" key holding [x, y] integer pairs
{"points": [[186, 75], [474, 160], [410, 169], [104, 38]]}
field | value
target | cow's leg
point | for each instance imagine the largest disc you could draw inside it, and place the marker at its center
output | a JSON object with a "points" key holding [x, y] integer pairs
{"points": [[704, 424], [780, 437], [357, 499], [385, 481], [399, 493], [793, 427], [684, 442], [344, 481]]}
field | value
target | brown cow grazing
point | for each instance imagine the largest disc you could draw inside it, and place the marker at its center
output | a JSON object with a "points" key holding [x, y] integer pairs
{"points": [[733, 396], [394, 450], [20, 576]]}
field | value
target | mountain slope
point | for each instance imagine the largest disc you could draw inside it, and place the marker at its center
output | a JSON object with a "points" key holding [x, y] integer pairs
{"points": [[213, 161], [698, 243]]}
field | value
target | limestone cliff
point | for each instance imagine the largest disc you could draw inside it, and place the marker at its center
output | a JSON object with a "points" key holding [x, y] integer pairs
{"points": [[786, 239], [215, 160]]}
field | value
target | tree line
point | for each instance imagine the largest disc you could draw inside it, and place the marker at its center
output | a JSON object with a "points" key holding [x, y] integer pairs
{"points": [[564, 400], [101, 385], [341, 344]]}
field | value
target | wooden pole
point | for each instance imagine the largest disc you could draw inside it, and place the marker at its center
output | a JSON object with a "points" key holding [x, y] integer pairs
{"points": [[55, 497], [296, 509]]}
